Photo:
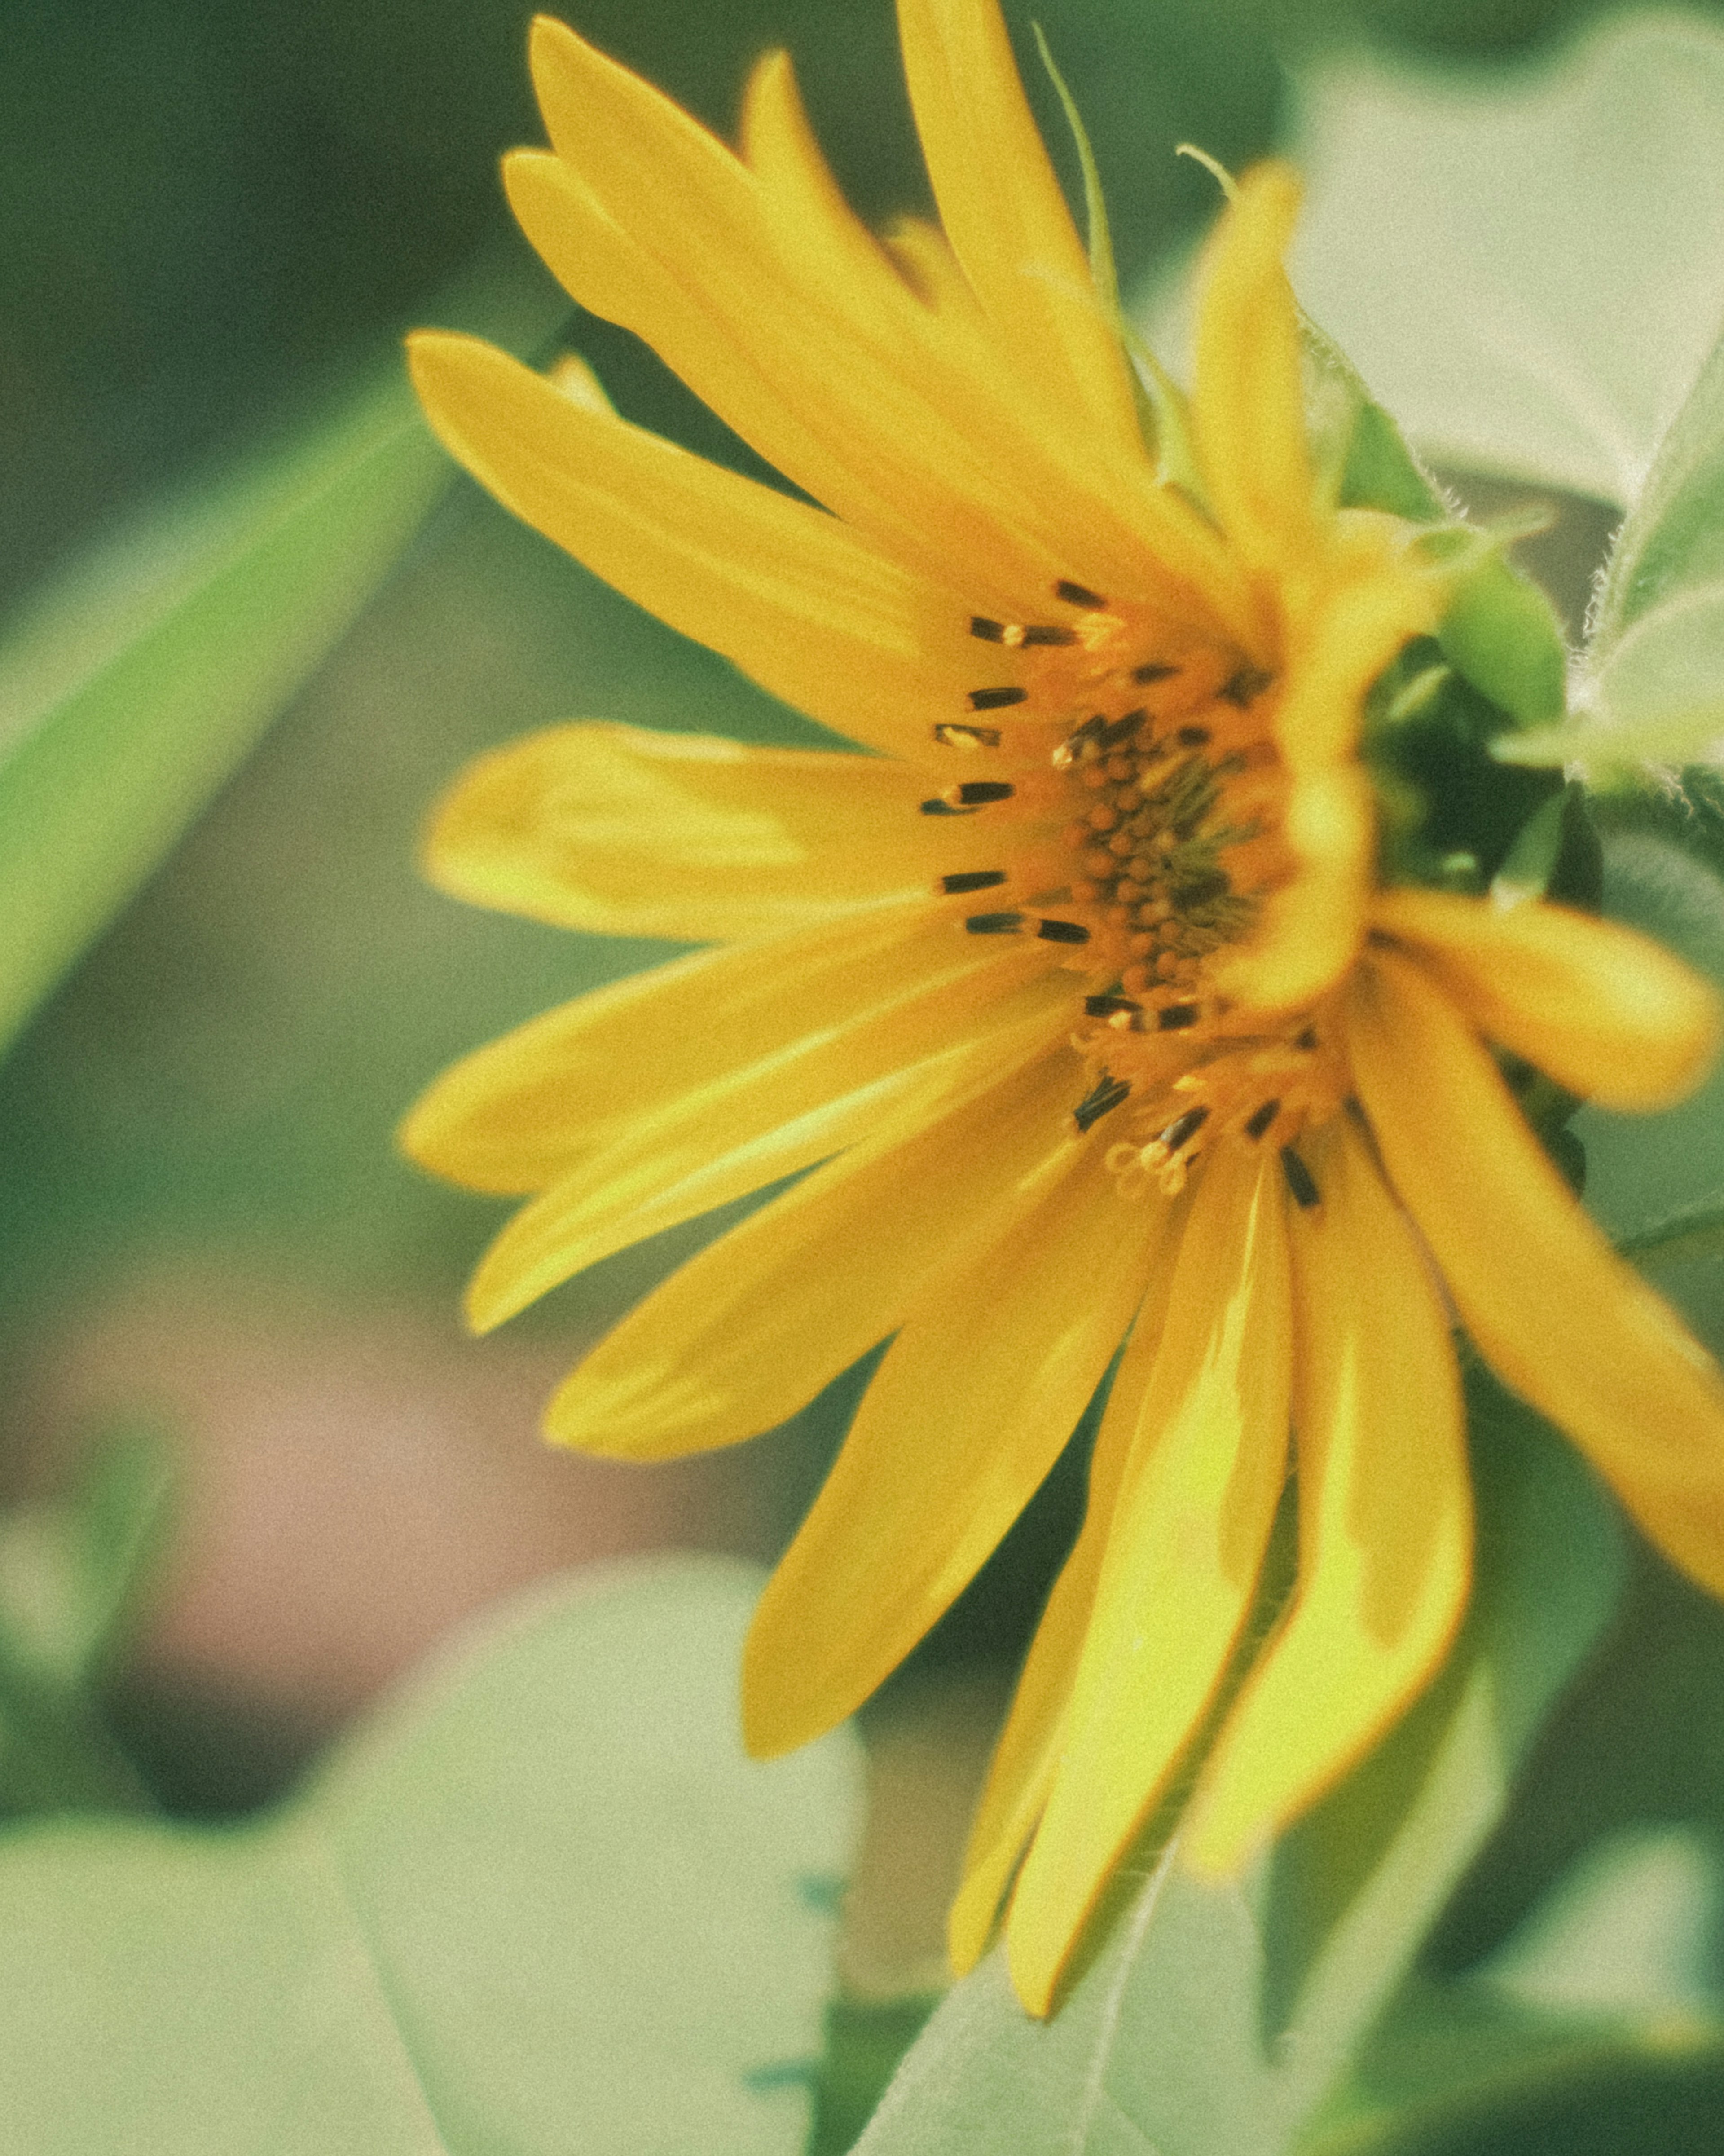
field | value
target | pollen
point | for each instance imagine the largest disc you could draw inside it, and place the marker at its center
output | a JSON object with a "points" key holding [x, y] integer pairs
{"points": [[1138, 832]]}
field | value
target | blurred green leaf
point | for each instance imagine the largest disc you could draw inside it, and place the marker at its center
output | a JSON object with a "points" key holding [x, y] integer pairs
{"points": [[1218, 2018], [1612, 1975], [72, 1570], [543, 1904], [135, 685], [1527, 269], [1651, 686]]}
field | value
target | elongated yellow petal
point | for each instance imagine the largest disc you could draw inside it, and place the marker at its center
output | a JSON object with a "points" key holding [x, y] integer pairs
{"points": [[1385, 1514], [518, 1113], [623, 831], [796, 601], [974, 1404], [1183, 1560], [906, 422], [750, 1330], [1248, 403], [926, 260], [1007, 219], [1026, 1757], [1559, 1317], [1369, 603], [751, 1125], [1603, 1011]]}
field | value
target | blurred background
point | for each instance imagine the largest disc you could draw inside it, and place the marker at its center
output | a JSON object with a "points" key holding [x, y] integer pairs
{"points": [[216, 217]]}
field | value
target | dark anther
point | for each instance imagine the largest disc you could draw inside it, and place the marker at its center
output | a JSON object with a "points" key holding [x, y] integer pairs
{"points": [[1307, 1040], [977, 793], [972, 880], [1076, 747], [1104, 1095], [1118, 730], [1261, 1119], [990, 631], [1299, 1180], [1184, 1128], [968, 737], [1079, 595], [942, 809], [1108, 1006], [1245, 687], [1194, 737], [1200, 889], [1153, 671], [1174, 1018], [994, 924], [996, 700], [1062, 931], [1047, 632]]}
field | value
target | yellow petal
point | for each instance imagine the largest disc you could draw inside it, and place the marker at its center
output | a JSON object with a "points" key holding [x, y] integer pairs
{"points": [[749, 1126], [1028, 1755], [901, 420], [924, 259], [1385, 1514], [1182, 1559], [519, 1112], [1558, 1315], [623, 831], [838, 376], [1605, 1012], [974, 1402], [1006, 217], [1367, 604], [1310, 930], [1248, 404], [749, 1330], [796, 600]]}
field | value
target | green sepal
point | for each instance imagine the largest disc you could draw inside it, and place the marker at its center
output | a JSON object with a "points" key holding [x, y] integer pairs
{"points": [[1501, 632]]}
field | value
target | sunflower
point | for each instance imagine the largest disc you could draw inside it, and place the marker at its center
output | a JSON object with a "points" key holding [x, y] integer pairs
{"points": [[1074, 1009]]}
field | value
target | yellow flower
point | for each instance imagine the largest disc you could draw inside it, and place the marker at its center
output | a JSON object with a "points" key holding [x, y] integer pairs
{"points": [[1075, 1003]]}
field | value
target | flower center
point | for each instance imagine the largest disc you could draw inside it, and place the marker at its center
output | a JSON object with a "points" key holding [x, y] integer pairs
{"points": [[1138, 807]]}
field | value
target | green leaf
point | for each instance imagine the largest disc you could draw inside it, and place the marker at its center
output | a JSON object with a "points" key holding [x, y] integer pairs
{"points": [[73, 1570], [543, 1904], [1216, 2020], [1527, 269], [1649, 687], [1611, 1979], [135, 685]]}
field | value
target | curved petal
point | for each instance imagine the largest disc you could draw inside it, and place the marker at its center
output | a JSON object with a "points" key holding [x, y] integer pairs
{"points": [[1311, 928], [795, 599], [1248, 399], [1605, 1012], [749, 1330], [1385, 1514], [976, 1398], [1183, 1557], [896, 1060], [1559, 1317], [623, 831], [519, 1112], [1028, 1755], [1007, 219]]}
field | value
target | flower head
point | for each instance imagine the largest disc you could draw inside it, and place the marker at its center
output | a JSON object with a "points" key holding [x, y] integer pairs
{"points": [[1079, 1004]]}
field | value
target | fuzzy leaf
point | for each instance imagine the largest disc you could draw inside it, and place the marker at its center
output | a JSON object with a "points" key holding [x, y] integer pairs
{"points": [[542, 1904]]}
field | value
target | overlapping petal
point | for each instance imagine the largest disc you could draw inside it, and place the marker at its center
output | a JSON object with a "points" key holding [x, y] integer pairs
{"points": [[1027, 1756], [1180, 1573], [1560, 1317], [794, 597], [1385, 1513], [752, 1329], [517, 1114], [971, 1407]]}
